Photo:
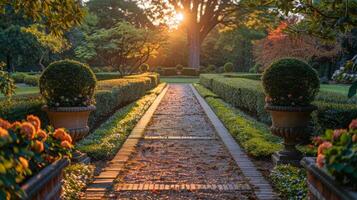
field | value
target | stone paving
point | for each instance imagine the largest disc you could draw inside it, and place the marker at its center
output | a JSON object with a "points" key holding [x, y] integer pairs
{"points": [[174, 152], [181, 157]]}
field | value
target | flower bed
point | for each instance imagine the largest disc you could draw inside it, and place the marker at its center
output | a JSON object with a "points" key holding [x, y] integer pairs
{"points": [[27, 151]]}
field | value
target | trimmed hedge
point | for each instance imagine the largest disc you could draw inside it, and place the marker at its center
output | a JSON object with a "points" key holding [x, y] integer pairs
{"points": [[189, 72], [105, 141], [248, 95], [107, 75], [247, 76], [21, 77], [252, 135], [110, 96], [172, 71]]}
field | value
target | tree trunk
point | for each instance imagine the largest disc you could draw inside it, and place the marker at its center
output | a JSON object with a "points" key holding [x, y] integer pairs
{"points": [[9, 64], [194, 47], [41, 60]]}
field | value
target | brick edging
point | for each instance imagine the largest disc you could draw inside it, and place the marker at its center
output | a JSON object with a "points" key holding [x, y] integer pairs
{"points": [[263, 189], [105, 179]]}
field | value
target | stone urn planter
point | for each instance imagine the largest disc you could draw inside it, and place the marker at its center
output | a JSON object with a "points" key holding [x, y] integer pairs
{"points": [[290, 85], [289, 123], [322, 186], [47, 184], [74, 119]]}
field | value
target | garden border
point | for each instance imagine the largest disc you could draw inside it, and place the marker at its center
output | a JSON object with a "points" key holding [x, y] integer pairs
{"points": [[263, 189], [105, 180]]}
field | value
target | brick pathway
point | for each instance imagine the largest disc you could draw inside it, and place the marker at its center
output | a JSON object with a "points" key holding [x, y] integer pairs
{"points": [[178, 155]]}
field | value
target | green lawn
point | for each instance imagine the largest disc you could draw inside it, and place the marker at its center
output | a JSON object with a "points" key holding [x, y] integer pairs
{"points": [[337, 88], [177, 79], [24, 90]]}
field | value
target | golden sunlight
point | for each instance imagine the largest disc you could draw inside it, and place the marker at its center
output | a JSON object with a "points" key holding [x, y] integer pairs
{"points": [[179, 17]]}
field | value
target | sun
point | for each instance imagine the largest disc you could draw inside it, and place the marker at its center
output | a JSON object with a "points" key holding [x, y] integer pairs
{"points": [[179, 17]]}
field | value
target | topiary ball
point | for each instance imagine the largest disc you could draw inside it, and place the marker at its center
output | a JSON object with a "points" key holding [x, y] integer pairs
{"points": [[179, 67], [228, 67], [144, 68], [290, 82], [68, 83]]}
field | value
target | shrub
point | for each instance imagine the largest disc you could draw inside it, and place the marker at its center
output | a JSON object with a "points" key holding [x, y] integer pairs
{"points": [[247, 76], [189, 72], [7, 85], [290, 82], [290, 182], [337, 154], [179, 67], [228, 67], [211, 68], [346, 73], [68, 83], [254, 136], [25, 150], [107, 75], [28, 79], [256, 68], [18, 77], [144, 68], [169, 72]]}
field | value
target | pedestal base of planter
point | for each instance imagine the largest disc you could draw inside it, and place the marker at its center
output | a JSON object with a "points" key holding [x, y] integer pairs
{"points": [[79, 157], [279, 158]]}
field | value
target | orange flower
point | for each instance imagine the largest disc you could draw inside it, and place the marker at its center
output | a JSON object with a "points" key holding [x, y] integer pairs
{"points": [[323, 147], [59, 134], [320, 161], [42, 135], [24, 162], [68, 138], [3, 133], [35, 121], [4, 124], [66, 144], [15, 125], [38, 146], [353, 124], [28, 129]]}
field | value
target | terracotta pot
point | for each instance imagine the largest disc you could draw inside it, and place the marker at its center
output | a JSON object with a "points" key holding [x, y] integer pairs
{"points": [[47, 184], [322, 186], [290, 123], [74, 119]]}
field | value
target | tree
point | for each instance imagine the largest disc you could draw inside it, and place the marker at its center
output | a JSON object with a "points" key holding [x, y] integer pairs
{"points": [[57, 15], [110, 12], [123, 46], [200, 18]]}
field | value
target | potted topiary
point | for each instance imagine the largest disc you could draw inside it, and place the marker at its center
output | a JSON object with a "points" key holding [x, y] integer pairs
{"points": [[32, 160], [290, 86], [333, 175], [68, 88], [144, 68], [179, 69]]}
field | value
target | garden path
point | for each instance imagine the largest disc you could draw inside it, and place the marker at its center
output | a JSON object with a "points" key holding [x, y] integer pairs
{"points": [[178, 156]]}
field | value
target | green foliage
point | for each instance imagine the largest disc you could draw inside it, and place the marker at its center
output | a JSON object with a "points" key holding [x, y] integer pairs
{"points": [[290, 82], [75, 179], [347, 73], [105, 141], [144, 68], [228, 67], [340, 154], [255, 68], [253, 136], [170, 71], [243, 75], [21, 77], [334, 110], [290, 182], [7, 85], [58, 15], [68, 83]]}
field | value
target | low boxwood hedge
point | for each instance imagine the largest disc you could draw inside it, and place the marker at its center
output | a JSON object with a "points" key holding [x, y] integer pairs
{"points": [[334, 110], [105, 141], [110, 96], [252, 135]]}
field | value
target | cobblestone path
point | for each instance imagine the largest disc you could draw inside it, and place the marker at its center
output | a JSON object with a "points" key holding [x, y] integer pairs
{"points": [[181, 157]]}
